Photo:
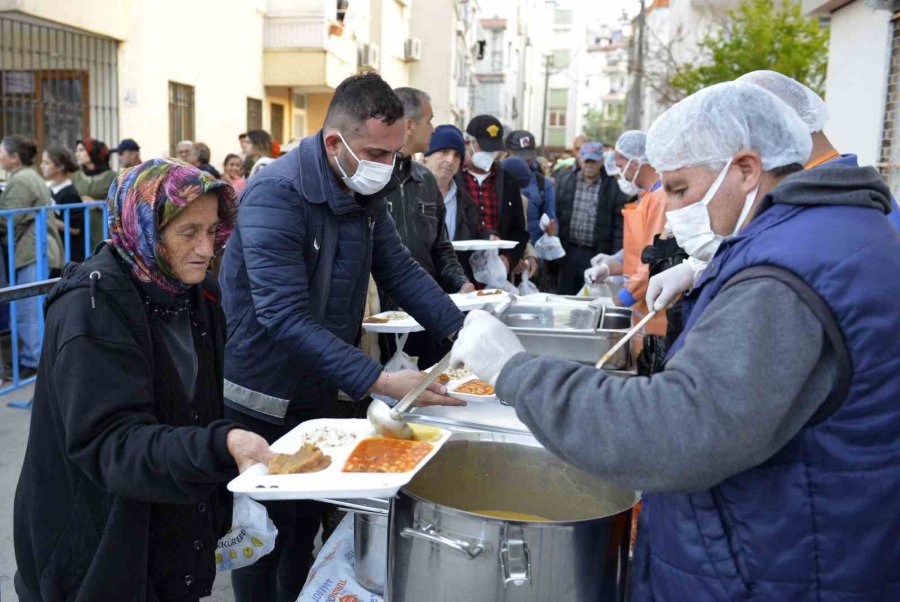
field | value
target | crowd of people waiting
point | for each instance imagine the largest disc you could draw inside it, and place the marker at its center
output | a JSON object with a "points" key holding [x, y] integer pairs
{"points": [[126, 468], [61, 176]]}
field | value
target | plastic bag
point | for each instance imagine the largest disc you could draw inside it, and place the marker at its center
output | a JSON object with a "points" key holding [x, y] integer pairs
{"points": [[526, 287], [599, 289], [332, 576], [251, 537], [549, 248], [399, 361], [488, 269]]}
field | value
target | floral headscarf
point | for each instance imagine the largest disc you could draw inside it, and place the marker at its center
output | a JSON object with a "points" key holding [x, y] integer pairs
{"points": [[99, 154], [145, 198]]}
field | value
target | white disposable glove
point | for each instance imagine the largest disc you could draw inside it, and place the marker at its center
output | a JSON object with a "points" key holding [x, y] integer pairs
{"points": [[666, 288], [600, 259], [484, 346], [596, 274], [544, 223]]}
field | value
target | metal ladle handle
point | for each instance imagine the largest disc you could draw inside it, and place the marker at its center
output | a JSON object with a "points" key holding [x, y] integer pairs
{"points": [[628, 336]]}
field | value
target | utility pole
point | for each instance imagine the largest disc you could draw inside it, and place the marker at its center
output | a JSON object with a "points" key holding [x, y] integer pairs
{"points": [[548, 65], [634, 105]]}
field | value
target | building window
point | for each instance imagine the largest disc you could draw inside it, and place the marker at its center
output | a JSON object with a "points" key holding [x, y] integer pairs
{"points": [[254, 114], [562, 58], [277, 122], [563, 17], [557, 118], [56, 86], [181, 114]]}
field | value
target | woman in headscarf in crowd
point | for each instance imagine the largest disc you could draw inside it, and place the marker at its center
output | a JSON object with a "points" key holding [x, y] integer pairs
{"points": [[93, 180], [122, 493]]}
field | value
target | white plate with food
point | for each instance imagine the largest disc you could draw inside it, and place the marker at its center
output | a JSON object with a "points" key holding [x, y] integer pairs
{"points": [[472, 390], [468, 301], [339, 459], [483, 245], [392, 322]]}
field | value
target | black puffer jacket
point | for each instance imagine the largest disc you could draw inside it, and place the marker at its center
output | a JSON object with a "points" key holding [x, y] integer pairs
{"points": [[113, 503], [417, 207]]}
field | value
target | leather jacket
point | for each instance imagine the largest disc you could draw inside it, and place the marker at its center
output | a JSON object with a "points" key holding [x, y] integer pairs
{"points": [[417, 207]]}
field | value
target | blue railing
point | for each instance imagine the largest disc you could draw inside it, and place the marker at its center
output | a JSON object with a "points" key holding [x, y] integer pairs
{"points": [[15, 292]]}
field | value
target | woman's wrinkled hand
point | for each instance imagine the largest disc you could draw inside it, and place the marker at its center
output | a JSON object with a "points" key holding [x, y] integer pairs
{"points": [[247, 449]]}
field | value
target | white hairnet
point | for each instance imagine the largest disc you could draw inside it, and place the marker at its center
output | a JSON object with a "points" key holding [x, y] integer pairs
{"points": [[633, 145], [809, 105], [712, 125]]}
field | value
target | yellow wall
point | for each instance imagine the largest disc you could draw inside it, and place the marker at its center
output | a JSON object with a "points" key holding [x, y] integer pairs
{"points": [[224, 74], [316, 109]]}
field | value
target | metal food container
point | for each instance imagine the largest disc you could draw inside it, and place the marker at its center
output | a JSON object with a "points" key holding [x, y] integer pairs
{"points": [[571, 329], [370, 535], [443, 548]]}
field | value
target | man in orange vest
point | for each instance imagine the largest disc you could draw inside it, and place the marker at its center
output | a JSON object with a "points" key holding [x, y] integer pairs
{"points": [[641, 222]]}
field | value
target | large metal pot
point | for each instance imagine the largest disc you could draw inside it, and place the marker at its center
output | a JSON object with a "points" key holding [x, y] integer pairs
{"points": [[440, 550]]}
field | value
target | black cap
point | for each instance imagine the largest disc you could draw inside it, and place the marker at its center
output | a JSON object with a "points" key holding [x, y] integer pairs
{"points": [[521, 144], [488, 131], [126, 145]]}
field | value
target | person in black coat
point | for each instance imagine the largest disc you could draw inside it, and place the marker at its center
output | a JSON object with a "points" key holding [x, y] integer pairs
{"points": [[122, 491], [56, 165], [589, 206]]}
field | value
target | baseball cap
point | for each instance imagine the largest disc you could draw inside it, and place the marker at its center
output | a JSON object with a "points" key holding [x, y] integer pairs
{"points": [[592, 151], [521, 144], [488, 131], [126, 145]]}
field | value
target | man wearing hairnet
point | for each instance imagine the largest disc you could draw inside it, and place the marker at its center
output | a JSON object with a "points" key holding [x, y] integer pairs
{"points": [[809, 106], [641, 221], [767, 448]]}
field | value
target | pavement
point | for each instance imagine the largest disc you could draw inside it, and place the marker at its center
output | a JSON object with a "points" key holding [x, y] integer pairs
{"points": [[13, 438]]}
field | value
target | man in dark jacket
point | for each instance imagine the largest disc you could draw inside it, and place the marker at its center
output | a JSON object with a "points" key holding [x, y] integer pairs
{"points": [[496, 195], [312, 226], [589, 205], [417, 205]]}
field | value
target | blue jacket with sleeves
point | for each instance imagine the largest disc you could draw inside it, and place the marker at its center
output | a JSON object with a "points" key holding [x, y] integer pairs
{"points": [[539, 202], [294, 281]]}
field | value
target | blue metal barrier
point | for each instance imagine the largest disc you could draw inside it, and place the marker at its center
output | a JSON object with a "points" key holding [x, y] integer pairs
{"points": [[16, 292]]}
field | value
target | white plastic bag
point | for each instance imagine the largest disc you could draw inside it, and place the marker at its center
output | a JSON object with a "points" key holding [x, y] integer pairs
{"points": [[251, 537], [399, 361], [488, 269], [549, 248], [600, 289], [332, 577], [526, 287]]}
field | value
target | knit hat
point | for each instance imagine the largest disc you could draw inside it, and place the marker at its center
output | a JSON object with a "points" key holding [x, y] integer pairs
{"points": [[447, 136]]}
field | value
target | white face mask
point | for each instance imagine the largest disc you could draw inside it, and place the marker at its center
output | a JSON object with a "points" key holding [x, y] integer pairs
{"points": [[370, 176], [483, 160], [626, 186], [691, 225]]}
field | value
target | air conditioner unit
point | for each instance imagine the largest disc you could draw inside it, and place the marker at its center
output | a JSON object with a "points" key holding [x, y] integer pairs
{"points": [[369, 56], [412, 49]]}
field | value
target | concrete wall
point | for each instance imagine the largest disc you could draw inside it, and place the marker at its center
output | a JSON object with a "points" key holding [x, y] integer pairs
{"points": [[858, 55], [316, 109], [434, 23], [112, 19], [225, 70]]}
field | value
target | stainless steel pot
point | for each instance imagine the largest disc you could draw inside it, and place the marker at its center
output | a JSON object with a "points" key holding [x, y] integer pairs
{"points": [[440, 550], [370, 541]]}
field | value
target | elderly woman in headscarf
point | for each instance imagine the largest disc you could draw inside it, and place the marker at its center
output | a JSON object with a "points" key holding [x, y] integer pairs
{"points": [[122, 493], [93, 179]]}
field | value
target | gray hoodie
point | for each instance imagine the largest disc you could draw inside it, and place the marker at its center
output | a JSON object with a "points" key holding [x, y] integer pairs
{"points": [[752, 372]]}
